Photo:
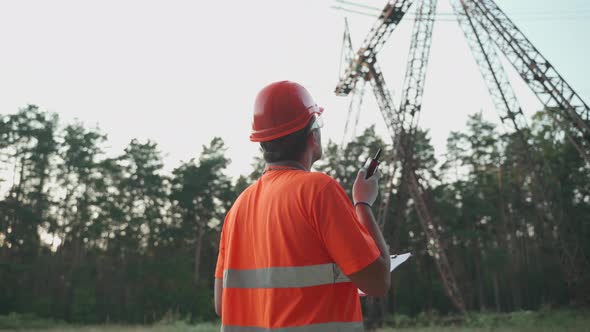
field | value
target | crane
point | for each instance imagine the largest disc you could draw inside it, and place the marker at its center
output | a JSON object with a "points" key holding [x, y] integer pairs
{"points": [[487, 30]]}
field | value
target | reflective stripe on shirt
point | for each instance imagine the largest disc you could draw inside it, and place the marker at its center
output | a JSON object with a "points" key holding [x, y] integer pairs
{"points": [[284, 277], [323, 327]]}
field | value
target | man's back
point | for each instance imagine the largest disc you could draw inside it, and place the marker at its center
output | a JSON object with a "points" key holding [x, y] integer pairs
{"points": [[286, 246]]}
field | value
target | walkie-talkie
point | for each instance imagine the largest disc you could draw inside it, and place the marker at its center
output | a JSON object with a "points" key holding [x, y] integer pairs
{"points": [[373, 165]]}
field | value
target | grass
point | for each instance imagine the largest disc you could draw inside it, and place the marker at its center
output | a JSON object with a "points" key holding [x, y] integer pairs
{"points": [[522, 321], [214, 328], [544, 320], [169, 327], [482, 329]]}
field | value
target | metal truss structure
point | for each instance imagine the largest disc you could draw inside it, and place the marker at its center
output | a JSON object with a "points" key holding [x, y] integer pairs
{"points": [[487, 29]]}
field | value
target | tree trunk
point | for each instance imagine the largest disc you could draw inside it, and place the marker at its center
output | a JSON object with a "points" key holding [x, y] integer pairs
{"points": [[20, 179], [479, 279], [375, 312], [391, 234], [198, 246], [504, 236], [496, 290]]}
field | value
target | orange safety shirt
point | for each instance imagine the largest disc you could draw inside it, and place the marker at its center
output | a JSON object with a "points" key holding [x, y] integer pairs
{"points": [[287, 244]]}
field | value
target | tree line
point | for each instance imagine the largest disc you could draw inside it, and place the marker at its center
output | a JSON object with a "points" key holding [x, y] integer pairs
{"points": [[86, 237]]}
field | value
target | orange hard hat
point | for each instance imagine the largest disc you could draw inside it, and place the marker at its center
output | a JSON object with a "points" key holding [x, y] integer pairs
{"points": [[281, 108]]}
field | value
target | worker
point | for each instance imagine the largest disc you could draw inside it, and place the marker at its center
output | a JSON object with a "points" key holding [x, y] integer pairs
{"points": [[294, 251]]}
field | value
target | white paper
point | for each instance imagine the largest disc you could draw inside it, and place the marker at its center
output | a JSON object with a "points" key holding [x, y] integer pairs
{"points": [[396, 261]]}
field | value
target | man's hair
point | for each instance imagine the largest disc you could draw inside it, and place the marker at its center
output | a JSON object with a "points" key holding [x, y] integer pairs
{"points": [[286, 148]]}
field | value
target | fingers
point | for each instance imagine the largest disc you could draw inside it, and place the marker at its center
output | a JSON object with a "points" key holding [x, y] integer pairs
{"points": [[361, 173], [376, 175]]}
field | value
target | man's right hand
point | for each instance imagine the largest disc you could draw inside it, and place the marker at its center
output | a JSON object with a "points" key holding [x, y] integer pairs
{"points": [[375, 279], [365, 190]]}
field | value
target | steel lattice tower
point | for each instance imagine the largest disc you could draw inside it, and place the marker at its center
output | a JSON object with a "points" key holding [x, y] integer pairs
{"points": [[487, 30]]}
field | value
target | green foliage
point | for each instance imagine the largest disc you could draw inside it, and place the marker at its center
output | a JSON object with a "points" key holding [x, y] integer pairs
{"points": [[21, 321], [84, 305], [185, 326], [542, 320], [90, 238], [399, 321], [546, 319], [529, 320]]}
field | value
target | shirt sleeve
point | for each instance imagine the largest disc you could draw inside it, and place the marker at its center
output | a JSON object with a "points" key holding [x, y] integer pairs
{"points": [[221, 256], [347, 241]]}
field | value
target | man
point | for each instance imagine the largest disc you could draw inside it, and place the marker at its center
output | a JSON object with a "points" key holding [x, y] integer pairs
{"points": [[293, 249]]}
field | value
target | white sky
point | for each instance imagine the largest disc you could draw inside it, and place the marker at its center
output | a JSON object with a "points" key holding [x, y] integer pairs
{"points": [[183, 72]]}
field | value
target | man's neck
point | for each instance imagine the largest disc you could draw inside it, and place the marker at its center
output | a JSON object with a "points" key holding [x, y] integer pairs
{"points": [[290, 164]]}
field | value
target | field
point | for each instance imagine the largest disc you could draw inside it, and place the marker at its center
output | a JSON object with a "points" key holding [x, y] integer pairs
{"points": [[525, 321], [211, 328]]}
